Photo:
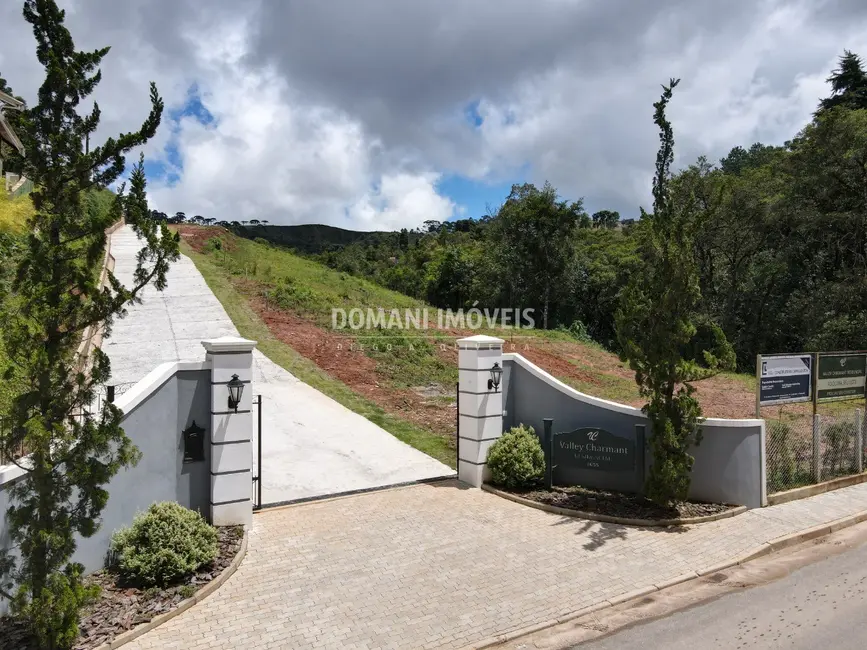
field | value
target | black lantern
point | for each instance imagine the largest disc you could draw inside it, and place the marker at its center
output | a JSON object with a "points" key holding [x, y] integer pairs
{"points": [[496, 374], [236, 389]]}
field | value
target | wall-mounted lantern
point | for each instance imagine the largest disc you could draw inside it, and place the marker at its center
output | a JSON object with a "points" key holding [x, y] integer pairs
{"points": [[496, 374], [236, 389], [194, 443]]}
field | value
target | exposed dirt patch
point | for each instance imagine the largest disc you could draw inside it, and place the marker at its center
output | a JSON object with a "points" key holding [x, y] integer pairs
{"points": [[121, 607], [198, 236], [722, 397], [340, 357], [618, 504], [555, 359]]}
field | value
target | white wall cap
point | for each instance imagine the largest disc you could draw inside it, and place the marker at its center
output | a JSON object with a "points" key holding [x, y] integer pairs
{"points": [[146, 386], [10, 472], [229, 344], [480, 341], [552, 381]]}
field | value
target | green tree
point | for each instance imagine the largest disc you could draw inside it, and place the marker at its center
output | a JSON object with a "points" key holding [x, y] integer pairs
{"points": [[73, 454], [739, 159], [4, 87], [606, 219], [656, 325], [534, 237], [848, 85]]}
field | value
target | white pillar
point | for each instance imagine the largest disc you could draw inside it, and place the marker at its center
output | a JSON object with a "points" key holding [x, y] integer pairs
{"points": [[480, 415], [231, 432]]}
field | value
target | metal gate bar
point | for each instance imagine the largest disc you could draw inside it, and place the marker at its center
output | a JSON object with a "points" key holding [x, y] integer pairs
{"points": [[257, 478]]}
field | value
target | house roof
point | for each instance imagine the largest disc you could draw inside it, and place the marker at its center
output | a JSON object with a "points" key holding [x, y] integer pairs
{"points": [[10, 101], [8, 135]]}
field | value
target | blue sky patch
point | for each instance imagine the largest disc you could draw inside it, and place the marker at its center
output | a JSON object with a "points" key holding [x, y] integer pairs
{"points": [[472, 115], [474, 196], [169, 168]]}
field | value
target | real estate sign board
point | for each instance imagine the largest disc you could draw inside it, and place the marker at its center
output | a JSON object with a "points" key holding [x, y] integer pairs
{"points": [[841, 376], [785, 379]]}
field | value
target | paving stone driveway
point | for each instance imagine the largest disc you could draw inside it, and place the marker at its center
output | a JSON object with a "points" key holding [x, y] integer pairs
{"points": [[441, 566]]}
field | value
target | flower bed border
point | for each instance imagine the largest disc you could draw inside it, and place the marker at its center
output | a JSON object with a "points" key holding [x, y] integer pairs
{"points": [[184, 605], [626, 521]]}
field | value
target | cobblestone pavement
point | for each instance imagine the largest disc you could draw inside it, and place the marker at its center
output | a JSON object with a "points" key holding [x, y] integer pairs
{"points": [[440, 566]]}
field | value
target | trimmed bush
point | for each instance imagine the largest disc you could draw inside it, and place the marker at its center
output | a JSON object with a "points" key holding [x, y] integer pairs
{"points": [[164, 544], [516, 460]]}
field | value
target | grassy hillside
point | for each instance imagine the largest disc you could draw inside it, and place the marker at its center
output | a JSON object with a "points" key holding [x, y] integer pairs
{"points": [[402, 379], [14, 212]]}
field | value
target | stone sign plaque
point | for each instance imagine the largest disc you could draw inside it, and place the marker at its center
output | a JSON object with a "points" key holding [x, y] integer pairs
{"points": [[594, 448]]}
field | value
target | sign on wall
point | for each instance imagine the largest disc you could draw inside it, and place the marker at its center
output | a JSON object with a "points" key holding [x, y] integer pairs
{"points": [[785, 379], [594, 448], [841, 376]]}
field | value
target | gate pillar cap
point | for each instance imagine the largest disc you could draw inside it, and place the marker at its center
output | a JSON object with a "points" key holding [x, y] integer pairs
{"points": [[228, 344], [480, 341]]}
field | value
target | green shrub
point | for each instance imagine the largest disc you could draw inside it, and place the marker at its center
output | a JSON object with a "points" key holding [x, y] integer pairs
{"points": [[213, 244], [290, 294], [781, 456], [164, 544], [839, 456], [53, 614], [516, 460]]}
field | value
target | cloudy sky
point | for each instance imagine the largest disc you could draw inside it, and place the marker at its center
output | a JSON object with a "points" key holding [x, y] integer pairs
{"points": [[374, 114]]}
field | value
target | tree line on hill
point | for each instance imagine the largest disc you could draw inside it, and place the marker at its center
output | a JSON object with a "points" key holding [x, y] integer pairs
{"points": [[199, 220], [780, 243]]}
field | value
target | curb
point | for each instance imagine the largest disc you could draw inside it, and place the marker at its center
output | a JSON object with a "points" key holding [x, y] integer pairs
{"points": [[818, 488], [184, 605], [626, 521], [766, 548]]}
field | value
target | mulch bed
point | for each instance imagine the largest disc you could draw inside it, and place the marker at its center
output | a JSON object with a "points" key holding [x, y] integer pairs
{"points": [[618, 504], [121, 607]]}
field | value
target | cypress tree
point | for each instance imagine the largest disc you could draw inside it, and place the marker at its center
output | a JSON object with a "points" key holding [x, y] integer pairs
{"points": [[56, 296], [848, 85], [656, 323]]}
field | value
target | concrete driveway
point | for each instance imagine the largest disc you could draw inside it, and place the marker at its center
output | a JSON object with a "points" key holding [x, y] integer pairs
{"points": [[311, 445]]}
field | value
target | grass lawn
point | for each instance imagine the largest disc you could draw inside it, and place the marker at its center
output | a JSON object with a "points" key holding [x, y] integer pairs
{"points": [[252, 327], [14, 212]]}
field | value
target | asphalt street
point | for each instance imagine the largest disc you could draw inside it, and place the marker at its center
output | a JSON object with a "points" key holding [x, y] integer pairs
{"points": [[822, 605]]}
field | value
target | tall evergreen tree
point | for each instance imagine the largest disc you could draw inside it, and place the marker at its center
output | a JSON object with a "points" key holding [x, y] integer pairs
{"points": [[72, 454], [656, 325], [534, 231], [848, 85]]}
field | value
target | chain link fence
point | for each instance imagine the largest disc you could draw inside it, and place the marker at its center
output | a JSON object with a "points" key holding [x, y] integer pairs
{"points": [[803, 450]]}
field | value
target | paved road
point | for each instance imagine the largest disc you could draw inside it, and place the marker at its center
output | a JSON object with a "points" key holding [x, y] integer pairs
{"points": [[823, 605], [312, 445], [440, 566]]}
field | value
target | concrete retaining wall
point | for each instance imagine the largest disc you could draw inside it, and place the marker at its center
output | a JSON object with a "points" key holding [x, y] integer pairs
{"points": [[729, 462], [156, 411]]}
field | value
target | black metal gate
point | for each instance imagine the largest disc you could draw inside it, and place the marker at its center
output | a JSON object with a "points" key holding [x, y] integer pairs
{"points": [[257, 469]]}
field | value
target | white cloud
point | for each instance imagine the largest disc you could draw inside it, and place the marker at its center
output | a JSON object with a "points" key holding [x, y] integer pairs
{"points": [[267, 155], [402, 200], [349, 113]]}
